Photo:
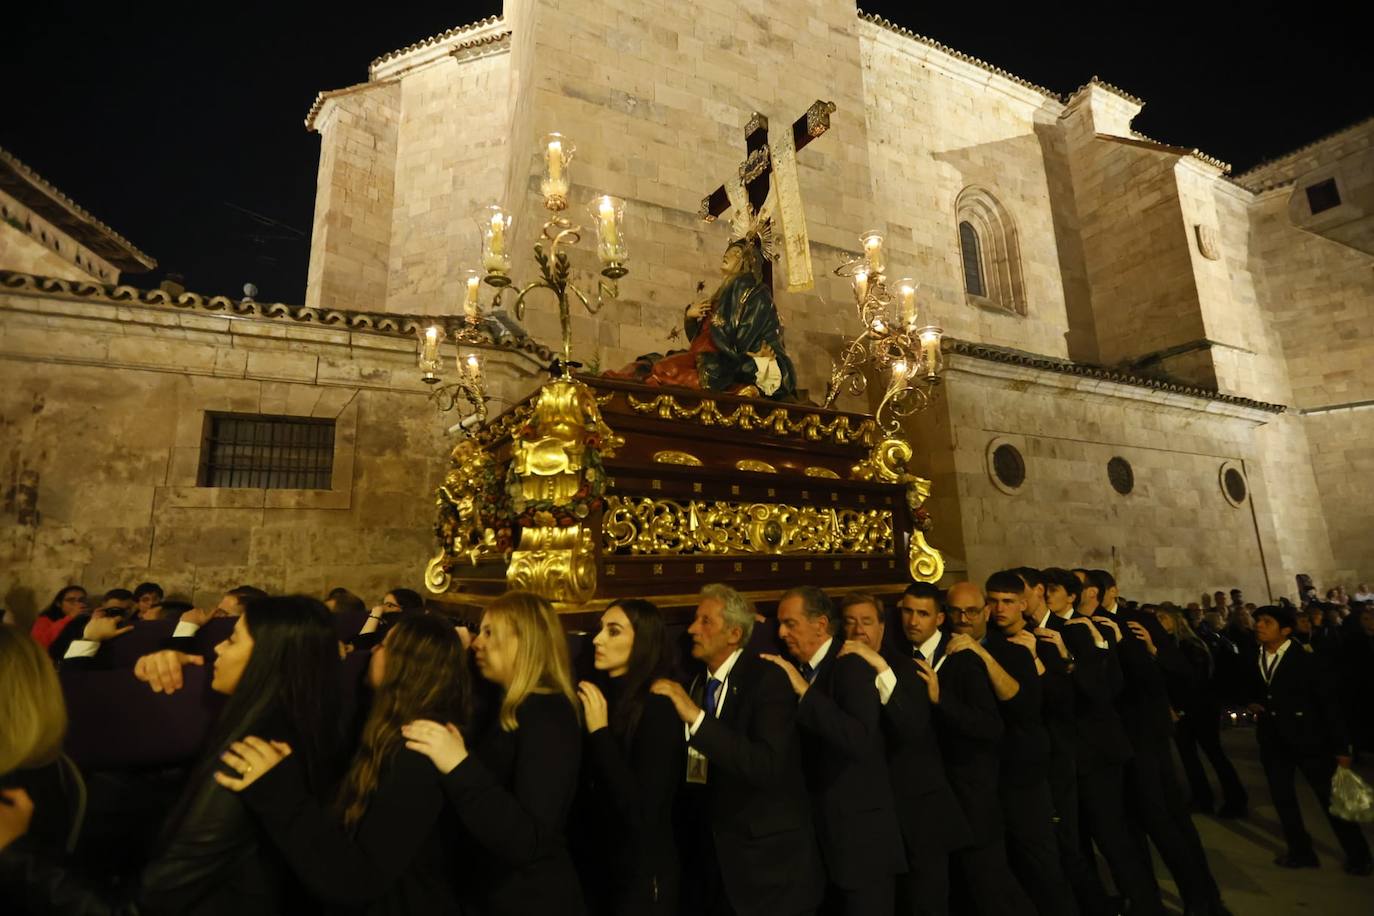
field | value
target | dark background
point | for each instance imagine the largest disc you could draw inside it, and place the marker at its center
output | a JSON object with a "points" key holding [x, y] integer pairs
{"points": [[182, 128]]}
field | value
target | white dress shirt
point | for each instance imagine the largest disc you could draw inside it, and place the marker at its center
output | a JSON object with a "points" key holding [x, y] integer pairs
{"points": [[887, 681], [1267, 672]]}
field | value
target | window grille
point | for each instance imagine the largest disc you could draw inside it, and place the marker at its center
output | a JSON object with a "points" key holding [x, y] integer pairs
{"points": [[251, 450]]}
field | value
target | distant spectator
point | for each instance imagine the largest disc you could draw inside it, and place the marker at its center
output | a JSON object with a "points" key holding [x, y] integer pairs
{"points": [[1237, 598], [147, 595], [117, 602], [1356, 677], [350, 613], [69, 603], [1362, 593], [398, 602]]}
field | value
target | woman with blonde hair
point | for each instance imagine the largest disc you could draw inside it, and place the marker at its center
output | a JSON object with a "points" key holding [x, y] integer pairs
{"points": [[514, 791], [33, 772]]}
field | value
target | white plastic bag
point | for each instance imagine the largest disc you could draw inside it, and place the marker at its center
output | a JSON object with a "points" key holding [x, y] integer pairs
{"points": [[1351, 797]]}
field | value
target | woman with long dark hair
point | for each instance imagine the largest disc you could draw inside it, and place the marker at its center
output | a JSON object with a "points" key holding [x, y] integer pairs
{"points": [[69, 603], [385, 849], [514, 791], [280, 670], [635, 762]]}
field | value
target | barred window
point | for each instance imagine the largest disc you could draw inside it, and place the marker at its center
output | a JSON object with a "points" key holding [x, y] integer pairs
{"points": [[252, 450], [973, 260]]}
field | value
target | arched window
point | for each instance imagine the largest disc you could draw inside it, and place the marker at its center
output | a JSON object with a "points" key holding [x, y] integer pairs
{"points": [[990, 252], [973, 259]]}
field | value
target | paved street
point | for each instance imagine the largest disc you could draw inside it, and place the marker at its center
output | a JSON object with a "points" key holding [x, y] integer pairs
{"points": [[1242, 852]]}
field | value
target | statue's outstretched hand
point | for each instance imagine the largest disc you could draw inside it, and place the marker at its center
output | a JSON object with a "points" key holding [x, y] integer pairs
{"points": [[699, 310]]}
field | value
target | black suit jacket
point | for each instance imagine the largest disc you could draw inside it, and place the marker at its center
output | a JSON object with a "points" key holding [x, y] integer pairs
{"points": [[845, 764], [1100, 739], [1143, 703], [930, 817], [1302, 714], [1057, 701], [1025, 748], [969, 729], [756, 798]]}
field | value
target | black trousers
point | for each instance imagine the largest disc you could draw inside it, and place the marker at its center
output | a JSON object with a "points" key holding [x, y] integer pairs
{"points": [[1102, 808], [1159, 807], [1032, 849], [1202, 731], [924, 889], [1080, 871], [1280, 766], [986, 881]]}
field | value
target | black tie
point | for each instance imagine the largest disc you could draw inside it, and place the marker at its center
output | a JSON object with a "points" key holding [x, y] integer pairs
{"points": [[917, 654], [806, 670]]}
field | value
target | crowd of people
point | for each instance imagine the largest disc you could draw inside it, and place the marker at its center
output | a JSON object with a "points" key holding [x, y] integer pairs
{"points": [[972, 750]]}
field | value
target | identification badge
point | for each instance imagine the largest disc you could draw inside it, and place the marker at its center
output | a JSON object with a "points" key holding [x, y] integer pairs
{"points": [[696, 767]]}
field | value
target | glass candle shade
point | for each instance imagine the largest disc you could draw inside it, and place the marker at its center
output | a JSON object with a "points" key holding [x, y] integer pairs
{"points": [[470, 365], [430, 339], [609, 215], [861, 285], [873, 251], [932, 361], [558, 153], [472, 288], [493, 225], [906, 301]]}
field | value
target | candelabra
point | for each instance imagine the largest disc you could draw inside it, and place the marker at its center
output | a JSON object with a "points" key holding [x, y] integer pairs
{"points": [[893, 341], [469, 386], [608, 215]]}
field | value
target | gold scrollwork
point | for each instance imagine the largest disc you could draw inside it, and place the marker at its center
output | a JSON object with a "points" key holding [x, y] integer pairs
{"points": [[777, 422], [437, 579], [823, 473], [557, 563], [753, 464], [885, 464], [667, 526], [669, 456], [925, 563]]}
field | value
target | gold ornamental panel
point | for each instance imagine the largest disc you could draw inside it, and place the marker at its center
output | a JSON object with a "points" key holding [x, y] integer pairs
{"points": [[668, 526], [671, 456]]}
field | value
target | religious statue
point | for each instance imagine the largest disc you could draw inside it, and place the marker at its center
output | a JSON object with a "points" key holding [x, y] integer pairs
{"points": [[736, 337]]}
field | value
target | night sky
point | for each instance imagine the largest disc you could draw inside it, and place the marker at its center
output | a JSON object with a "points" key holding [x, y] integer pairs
{"points": [[184, 133]]}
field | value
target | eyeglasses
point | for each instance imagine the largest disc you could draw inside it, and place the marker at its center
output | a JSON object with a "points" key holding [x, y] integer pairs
{"points": [[965, 613]]}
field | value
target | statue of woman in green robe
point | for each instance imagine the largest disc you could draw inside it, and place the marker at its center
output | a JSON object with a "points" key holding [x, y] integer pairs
{"points": [[736, 337]]}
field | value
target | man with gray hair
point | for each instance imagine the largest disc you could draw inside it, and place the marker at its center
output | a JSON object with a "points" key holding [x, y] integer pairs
{"points": [[749, 834]]}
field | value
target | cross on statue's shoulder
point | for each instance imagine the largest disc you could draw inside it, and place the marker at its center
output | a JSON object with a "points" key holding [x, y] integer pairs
{"points": [[756, 171]]}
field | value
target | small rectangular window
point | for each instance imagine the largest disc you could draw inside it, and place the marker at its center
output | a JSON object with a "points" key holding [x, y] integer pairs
{"points": [[267, 452], [1323, 196]]}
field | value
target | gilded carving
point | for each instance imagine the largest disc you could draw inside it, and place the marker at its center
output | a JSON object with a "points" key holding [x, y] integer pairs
{"points": [[753, 464], [777, 422], [824, 473], [925, 563], [558, 563], [669, 456], [667, 526]]}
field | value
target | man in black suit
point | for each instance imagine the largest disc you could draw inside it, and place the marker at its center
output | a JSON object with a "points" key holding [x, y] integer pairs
{"points": [[1009, 652], [843, 756], [1300, 728], [931, 821], [1158, 804], [755, 851], [968, 728], [1101, 746], [1059, 688]]}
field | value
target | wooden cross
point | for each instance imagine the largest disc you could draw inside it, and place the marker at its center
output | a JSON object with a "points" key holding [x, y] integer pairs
{"points": [[756, 170]]}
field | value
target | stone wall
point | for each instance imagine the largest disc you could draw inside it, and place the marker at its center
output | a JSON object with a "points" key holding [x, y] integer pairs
{"points": [[102, 408]]}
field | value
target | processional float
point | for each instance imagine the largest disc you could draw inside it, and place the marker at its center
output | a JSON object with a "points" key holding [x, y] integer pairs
{"points": [[625, 484]]}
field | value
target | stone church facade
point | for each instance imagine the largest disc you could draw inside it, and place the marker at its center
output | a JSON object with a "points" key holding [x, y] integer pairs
{"points": [[1153, 366]]}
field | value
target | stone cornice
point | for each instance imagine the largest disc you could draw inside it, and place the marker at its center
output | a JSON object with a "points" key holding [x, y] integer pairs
{"points": [[1274, 173], [1114, 90], [958, 55], [1010, 357], [322, 98], [383, 323], [33, 191]]}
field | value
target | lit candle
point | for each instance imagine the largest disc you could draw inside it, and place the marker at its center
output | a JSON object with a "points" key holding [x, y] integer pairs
{"points": [[906, 292], [609, 234], [555, 158], [474, 284], [873, 250], [860, 285], [474, 365], [899, 369], [497, 246], [431, 351]]}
